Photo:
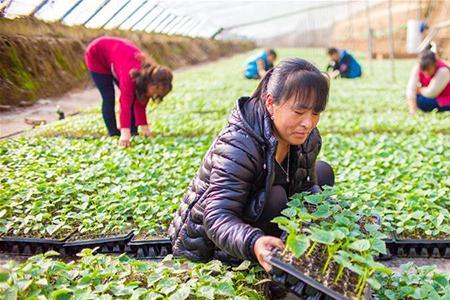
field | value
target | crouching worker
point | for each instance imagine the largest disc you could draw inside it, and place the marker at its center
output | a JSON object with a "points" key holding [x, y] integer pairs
{"points": [[257, 66], [265, 154], [113, 60], [343, 64], [429, 84]]}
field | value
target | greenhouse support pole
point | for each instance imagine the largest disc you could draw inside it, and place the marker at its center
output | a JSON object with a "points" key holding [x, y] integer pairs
{"points": [[216, 33], [350, 23], [391, 41], [96, 11], [419, 10], [154, 19], [164, 29], [38, 8], [168, 21], [143, 17], [183, 27], [194, 29], [176, 29], [369, 36], [4, 7], [162, 21], [70, 10], [190, 27], [180, 20], [132, 14], [115, 14]]}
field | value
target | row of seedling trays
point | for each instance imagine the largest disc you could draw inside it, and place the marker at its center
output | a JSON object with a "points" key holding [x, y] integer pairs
{"points": [[73, 244], [283, 272], [160, 247]]}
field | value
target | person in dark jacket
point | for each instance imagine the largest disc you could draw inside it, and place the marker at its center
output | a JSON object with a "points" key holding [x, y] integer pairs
{"points": [[343, 64], [265, 154]]}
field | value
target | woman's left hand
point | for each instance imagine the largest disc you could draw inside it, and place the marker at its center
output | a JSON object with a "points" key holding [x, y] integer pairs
{"points": [[263, 247], [145, 130]]}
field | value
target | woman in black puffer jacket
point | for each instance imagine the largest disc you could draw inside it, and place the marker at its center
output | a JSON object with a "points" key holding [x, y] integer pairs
{"points": [[264, 155]]}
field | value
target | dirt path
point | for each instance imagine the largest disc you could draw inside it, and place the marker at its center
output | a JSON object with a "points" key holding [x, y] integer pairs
{"points": [[13, 122]]}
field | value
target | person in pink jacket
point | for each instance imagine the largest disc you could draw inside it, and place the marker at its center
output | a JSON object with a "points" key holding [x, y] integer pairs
{"points": [[429, 84], [114, 60]]}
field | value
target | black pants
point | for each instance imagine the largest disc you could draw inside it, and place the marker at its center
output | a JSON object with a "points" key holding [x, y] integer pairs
{"points": [[105, 84], [278, 199]]}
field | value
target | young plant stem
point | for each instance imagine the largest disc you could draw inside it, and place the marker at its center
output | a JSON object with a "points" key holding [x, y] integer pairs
{"points": [[331, 251], [362, 285], [340, 272], [360, 279], [310, 251]]}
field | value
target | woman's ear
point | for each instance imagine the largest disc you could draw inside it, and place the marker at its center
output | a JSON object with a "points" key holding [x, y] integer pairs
{"points": [[269, 104]]}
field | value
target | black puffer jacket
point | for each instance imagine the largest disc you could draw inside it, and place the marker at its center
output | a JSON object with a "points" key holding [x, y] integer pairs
{"points": [[232, 184]]}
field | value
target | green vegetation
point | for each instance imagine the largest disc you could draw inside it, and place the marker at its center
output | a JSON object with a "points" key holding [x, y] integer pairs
{"points": [[69, 176], [322, 233], [415, 283], [106, 277]]}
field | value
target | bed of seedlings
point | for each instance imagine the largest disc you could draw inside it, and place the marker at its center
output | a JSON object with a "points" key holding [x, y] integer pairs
{"points": [[107, 277], [68, 180], [332, 244]]}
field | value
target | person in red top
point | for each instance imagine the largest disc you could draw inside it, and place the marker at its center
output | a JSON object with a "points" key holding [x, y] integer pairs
{"points": [[429, 84], [114, 60]]}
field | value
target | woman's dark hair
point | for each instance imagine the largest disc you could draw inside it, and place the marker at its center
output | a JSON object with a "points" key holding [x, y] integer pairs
{"points": [[151, 73], [295, 77], [271, 52], [427, 59], [332, 51]]}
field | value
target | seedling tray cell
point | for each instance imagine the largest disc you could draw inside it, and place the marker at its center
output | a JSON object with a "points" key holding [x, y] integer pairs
{"points": [[105, 245], [150, 248], [30, 246], [421, 248]]}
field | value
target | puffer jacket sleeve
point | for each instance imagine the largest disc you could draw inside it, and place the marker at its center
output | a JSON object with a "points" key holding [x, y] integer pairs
{"points": [[236, 161]]}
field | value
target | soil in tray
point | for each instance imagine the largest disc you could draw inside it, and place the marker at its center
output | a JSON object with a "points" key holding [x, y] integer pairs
{"points": [[95, 236], [144, 237], [57, 236], [416, 235], [312, 266]]}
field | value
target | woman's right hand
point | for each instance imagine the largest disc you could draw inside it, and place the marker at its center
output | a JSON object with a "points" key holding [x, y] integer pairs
{"points": [[125, 138], [146, 131], [263, 247]]}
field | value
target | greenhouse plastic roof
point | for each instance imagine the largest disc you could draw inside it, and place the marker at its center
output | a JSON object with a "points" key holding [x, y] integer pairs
{"points": [[232, 18]]}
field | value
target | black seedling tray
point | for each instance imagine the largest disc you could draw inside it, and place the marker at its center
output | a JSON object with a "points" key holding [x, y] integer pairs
{"points": [[150, 248], [301, 285], [420, 248], [390, 248], [31, 246], [117, 244]]}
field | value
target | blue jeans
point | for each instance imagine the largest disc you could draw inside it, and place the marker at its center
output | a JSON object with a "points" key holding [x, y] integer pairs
{"points": [[428, 104], [105, 84]]}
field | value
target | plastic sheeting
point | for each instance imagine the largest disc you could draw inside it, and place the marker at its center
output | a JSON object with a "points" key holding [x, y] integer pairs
{"points": [[232, 18]]}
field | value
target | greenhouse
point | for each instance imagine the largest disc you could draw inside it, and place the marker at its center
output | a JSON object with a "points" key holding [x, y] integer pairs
{"points": [[156, 149]]}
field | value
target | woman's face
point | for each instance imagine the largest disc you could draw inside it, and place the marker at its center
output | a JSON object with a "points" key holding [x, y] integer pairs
{"points": [[335, 57], [292, 124], [430, 70], [154, 91]]}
